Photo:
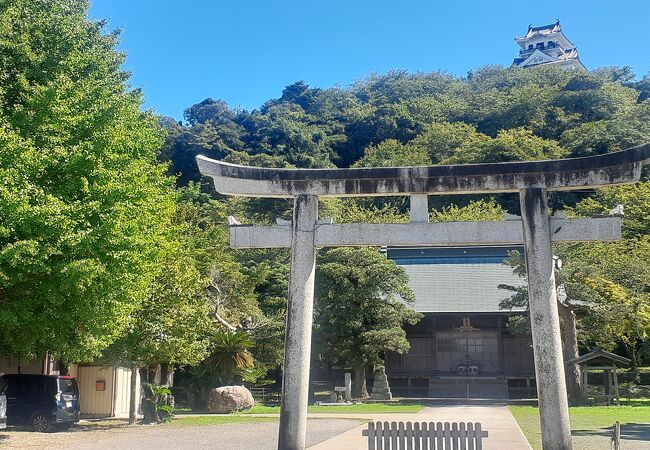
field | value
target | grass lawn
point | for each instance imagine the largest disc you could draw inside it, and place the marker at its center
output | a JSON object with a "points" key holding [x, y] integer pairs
{"points": [[360, 408], [641, 401], [582, 418], [217, 420], [179, 421], [644, 369]]}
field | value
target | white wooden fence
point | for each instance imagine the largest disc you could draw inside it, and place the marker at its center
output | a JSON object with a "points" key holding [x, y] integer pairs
{"points": [[424, 436]]}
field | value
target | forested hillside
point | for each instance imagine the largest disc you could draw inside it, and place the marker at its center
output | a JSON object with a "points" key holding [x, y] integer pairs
{"points": [[494, 114]]}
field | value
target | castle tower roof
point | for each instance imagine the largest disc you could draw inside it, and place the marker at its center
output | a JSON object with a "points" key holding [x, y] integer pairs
{"points": [[547, 44]]}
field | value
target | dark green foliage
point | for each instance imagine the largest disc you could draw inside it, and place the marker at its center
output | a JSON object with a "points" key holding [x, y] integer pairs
{"points": [[157, 403], [494, 114], [230, 361], [362, 303]]}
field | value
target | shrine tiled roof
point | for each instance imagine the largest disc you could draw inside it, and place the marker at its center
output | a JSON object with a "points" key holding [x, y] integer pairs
{"points": [[457, 279]]}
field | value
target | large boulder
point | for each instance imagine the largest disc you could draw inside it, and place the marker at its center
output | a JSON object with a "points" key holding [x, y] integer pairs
{"points": [[228, 399]]}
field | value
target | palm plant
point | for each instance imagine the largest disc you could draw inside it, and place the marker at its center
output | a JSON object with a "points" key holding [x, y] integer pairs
{"points": [[230, 360], [230, 357]]}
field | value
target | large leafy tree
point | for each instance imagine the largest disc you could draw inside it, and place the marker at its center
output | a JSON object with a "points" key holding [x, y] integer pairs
{"points": [[84, 206], [171, 325], [614, 278], [606, 283], [519, 324], [362, 303]]}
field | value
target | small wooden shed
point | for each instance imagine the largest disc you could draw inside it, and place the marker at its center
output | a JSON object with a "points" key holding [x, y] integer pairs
{"points": [[104, 391], [600, 359]]}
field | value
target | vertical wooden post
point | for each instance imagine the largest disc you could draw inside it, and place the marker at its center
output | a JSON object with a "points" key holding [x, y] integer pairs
{"points": [[616, 439], [132, 397], [371, 435], [616, 393]]}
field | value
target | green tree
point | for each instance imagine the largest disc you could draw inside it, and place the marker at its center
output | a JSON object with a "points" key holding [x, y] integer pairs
{"points": [[635, 199], [476, 210], [215, 131], [443, 140], [509, 145], [245, 290], [84, 206], [615, 277], [519, 324], [393, 153], [362, 303], [286, 130]]}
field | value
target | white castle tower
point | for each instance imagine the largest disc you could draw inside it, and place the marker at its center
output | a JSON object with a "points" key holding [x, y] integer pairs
{"points": [[547, 45]]}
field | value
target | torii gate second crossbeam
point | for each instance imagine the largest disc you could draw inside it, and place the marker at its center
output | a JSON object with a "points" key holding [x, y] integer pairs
{"points": [[532, 179]]}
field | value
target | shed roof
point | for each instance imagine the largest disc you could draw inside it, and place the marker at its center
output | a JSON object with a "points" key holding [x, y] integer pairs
{"points": [[599, 355]]}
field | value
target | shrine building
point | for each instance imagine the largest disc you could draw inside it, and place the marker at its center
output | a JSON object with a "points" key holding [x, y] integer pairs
{"points": [[462, 346]]}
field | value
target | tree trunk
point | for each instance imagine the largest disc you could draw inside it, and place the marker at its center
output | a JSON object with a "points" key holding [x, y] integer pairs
{"points": [[134, 385], [570, 351], [311, 397], [165, 374], [360, 388], [634, 366], [153, 375]]}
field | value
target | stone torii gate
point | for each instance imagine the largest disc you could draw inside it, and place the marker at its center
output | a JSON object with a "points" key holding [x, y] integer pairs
{"points": [[532, 179]]}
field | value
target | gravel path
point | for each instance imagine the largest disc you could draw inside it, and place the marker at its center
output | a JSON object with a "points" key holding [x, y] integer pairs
{"points": [[633, 437], [236, 436]]}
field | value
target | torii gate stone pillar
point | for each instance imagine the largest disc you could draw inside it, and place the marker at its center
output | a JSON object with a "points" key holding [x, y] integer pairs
{"points": [[300, 307], [536, 230], [545, 321]]}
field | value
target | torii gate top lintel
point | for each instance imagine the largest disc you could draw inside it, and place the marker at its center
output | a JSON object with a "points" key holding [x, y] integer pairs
{"points": [[553, 175]]}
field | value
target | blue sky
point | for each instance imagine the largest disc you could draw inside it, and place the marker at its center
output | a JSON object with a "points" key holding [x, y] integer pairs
{"points": [[245, 52]]}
